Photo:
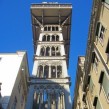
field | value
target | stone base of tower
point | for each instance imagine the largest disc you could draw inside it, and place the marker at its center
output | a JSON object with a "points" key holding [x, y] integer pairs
{"points": [[48, 94]]}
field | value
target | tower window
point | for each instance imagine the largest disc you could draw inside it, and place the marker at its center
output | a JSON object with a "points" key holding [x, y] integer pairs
{"points": [[48, 51], [59, 71], [53, 71], [42, 53], [48, 38], [49, 28], [46, 71], [57, 29], [107, 48], [44, 38], [57, 38], [53, 28], [53, 37], [45, 28]]}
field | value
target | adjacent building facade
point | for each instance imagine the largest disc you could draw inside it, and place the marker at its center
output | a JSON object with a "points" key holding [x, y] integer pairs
{"points": [[50, 82], [13, 78], [96, 66], [78, 102]]}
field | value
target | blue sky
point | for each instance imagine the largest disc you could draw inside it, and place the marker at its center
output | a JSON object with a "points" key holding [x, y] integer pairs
{"points": [[16, 29]]}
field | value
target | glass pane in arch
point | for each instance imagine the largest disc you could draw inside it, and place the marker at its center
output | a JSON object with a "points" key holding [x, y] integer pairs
{"points": [[45, 28], [57, 38], [53, 37], [48, 51], [53, 72], [53, 51], [46, 71], [42, 51], [48, 38], [40, 71], [57, 51], [57, 28], [59, 71], [44, 38], [53, 28]]}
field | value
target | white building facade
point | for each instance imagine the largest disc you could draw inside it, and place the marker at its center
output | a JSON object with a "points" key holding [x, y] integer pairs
{"points": [[13, 78], [49, 84]]}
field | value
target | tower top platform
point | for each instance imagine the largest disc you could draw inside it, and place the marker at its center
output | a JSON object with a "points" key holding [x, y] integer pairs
{"points": [[51, 13]]}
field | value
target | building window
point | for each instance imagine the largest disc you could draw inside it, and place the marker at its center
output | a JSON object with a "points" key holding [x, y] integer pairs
{"points": [[101, 77], [84, 98], [106, 1], [95, 61], [93, 57], [105, 85], [98, 106], [95, 102], [88, 79], [91, 86], [107, 48], [100, 30]]}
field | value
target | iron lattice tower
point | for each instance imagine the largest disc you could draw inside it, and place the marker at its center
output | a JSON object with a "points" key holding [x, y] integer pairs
{"points": [[49, 84]]}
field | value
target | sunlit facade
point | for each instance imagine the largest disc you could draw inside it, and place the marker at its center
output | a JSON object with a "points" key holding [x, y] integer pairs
{"points": [[96, 67], [13, 78]]}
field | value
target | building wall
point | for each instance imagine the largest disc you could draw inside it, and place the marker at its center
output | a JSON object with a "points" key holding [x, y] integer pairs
{"points": [[78, 102], [96, 66], [13, 76], [100, 64]]}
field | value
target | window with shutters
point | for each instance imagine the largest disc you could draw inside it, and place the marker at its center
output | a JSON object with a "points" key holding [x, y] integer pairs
{"points": [[95, 61], [100, 32], [91, 86], [101, 77], [105, 85]]}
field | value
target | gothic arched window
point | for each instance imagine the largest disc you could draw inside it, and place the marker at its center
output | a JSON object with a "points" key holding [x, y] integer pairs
{"points": [[46, 71], [53, 71], [45, 28], [44, 38], [40, 71], [53, 51], [48, 51], [57, 38], [48, 37], [42, 53], [57, 51], [59, 71], [53, 37]]}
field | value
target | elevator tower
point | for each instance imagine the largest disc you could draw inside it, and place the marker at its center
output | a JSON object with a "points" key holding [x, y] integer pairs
{"points": [[49, 83]]}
